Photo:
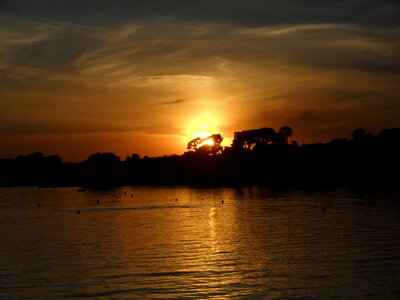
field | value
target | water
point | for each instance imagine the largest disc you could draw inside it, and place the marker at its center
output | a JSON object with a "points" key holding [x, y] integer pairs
{"points": [[145, 244]]}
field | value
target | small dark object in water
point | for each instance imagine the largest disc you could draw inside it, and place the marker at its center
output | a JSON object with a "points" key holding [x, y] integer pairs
{"points": [[176, 199], [323, 209], [125, 193], [97, 201], [222, 201], [131, 196], [78, 212], [38, 205]]}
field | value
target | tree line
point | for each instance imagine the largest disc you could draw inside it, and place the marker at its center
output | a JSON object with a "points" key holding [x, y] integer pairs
{"points": [[261, 156]]}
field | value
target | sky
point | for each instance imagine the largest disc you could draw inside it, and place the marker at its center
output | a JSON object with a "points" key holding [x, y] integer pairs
{"points": [[147, 76]]}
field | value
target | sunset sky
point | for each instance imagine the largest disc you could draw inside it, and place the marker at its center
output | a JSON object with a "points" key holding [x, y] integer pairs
{"points": [[147, 76]]}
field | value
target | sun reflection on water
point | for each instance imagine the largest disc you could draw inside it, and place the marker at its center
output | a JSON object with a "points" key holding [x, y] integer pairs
{"points": [[213, 231], [146, 244]]}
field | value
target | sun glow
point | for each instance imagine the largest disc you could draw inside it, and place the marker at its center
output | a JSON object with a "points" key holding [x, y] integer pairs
{"points": [[202, 126], [201, 134], [208, 142]]}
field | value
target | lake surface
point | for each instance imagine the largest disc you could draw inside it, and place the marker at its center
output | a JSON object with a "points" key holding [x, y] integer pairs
{"points": [[183, 243]]}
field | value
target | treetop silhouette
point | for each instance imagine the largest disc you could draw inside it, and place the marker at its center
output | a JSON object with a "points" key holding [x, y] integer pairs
{"points": [[257, 156], [258, 138], [210, 145]]}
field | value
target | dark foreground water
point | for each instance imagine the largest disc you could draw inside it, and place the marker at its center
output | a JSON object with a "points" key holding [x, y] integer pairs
{"points": [[143, 243]]}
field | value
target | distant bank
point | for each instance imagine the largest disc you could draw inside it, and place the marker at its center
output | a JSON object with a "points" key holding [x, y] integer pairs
{"points": [[257, 157]]}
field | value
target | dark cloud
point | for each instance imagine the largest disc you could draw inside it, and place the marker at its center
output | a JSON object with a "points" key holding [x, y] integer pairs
{"points": [[178, 101], [251, 13], [58, 52]]}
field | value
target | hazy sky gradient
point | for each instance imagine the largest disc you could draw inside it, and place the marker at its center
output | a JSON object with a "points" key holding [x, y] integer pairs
{"points": [[78, 77]]}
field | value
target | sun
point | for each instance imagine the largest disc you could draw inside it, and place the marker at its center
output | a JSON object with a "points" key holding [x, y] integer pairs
{"points": [[201, 134], [208, 142], [202, 126]]}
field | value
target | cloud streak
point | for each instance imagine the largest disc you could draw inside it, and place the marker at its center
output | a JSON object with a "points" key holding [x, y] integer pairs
{"points": [[173, 102]]}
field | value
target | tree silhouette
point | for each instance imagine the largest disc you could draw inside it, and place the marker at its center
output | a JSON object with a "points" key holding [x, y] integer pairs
{"points": [[215, 147], [260, 138], [194, 144], [210, 145], [258, 156], [250, 139], [283, 134], [102, 168], [360, 135]]}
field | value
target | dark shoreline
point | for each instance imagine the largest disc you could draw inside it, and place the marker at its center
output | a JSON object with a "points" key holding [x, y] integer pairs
{"points": [[256, 158]]}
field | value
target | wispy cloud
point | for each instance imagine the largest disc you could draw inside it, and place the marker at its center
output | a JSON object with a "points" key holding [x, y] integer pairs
{"points": [[173, 102], [289, 29]]}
